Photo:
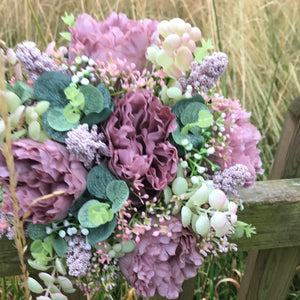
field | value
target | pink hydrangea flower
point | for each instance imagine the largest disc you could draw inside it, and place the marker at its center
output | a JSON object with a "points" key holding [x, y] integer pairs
{"points": [[137, 133], [42, 169], [243, 139], [161, 261], [118, 35]]}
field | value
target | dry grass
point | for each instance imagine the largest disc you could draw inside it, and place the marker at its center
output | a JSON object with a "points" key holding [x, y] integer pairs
{"points": [[260, 37]]}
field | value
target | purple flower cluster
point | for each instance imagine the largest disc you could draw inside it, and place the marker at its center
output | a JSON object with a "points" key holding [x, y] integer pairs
{"points": [[78, 257], [232, 179], [137, 131], [161, 261], [87, 146], [117, 36], [206, 75], [34, 61], [43, 168]]}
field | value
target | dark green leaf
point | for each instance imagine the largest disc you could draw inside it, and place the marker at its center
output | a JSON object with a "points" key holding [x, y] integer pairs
{"points": [[37, 231], [93, 99], [58, 136], [50, 86], [60, 246], [117, 192], [97, 180], [101, 233], [23, 91], [86, 196], [190, 114]]}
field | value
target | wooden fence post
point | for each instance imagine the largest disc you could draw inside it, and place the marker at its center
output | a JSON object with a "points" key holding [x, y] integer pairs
{"points": [[269, 272]]}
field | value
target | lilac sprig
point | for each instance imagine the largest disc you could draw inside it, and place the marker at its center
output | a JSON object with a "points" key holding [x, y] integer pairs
{"points": [[34, 61], [232, 179], [87, 146], [204, 76]]}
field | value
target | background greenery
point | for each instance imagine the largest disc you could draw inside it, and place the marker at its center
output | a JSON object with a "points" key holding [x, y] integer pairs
{"points": [[261, 38]]}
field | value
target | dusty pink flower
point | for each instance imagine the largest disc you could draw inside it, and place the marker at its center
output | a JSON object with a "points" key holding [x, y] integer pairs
{"points": [[161, 261], [243, 139], [122, 37], [42, 169], [137, 132]]}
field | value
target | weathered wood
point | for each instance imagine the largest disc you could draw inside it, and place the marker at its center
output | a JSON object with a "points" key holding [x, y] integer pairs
{"points": [[273, 269], [273, 207], [269, 273]]}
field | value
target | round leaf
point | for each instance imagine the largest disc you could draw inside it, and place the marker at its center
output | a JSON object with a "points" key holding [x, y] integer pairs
{"points": [[93, 99], [205, 118], [101, 233], [57, 120], [37, 231], [190, 113], [100, 213], [117, 192], [97, 180]]}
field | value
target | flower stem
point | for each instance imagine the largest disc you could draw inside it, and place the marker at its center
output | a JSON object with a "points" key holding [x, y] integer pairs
{"points": [[36, 23]]}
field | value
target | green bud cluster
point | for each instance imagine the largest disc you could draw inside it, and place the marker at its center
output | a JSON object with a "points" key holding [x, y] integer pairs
{"points": [[25, 121]]}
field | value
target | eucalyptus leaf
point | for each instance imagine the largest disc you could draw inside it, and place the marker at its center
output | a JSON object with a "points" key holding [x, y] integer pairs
{"points": [[94, 213], [57, 120], [37, 231], [58, 136], [205, 118], [50, 86], [191, 112], [97, 180], [23, 91], [101, 233], [60, 246], [117, 192], [94, 100]]}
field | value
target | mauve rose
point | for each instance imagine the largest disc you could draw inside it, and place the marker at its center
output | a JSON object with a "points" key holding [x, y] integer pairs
{"points": [[43, 168], [161, 262], [122, 37], [137, 133], [243, 140]]}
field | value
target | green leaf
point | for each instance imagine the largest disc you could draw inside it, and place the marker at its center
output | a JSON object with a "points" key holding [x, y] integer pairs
{"points": [[117, 192], [106, 95], [68, 19], [34, 286], [180, 105], [96, 118], [71, 115], [37, 231], [97, 180], [66, 35], [75, 96], [23, 91], [101, 233], [57, 120], [100, 213], [94, 213], [190, 114], [50, 86], [201, 52], [60, 246], [58, 136], [205, 118], [36, 246], [86, 196], [93, 98], [47, 245]]}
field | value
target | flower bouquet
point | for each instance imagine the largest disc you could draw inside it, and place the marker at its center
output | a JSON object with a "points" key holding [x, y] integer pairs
{"points": [[127, 161]]}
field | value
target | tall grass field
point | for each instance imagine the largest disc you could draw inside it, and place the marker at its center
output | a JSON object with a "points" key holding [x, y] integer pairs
{"points": [[262, 41]]}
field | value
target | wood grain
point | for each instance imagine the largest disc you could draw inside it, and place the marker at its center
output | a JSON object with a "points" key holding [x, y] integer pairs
{"points": [[269, 272]]}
